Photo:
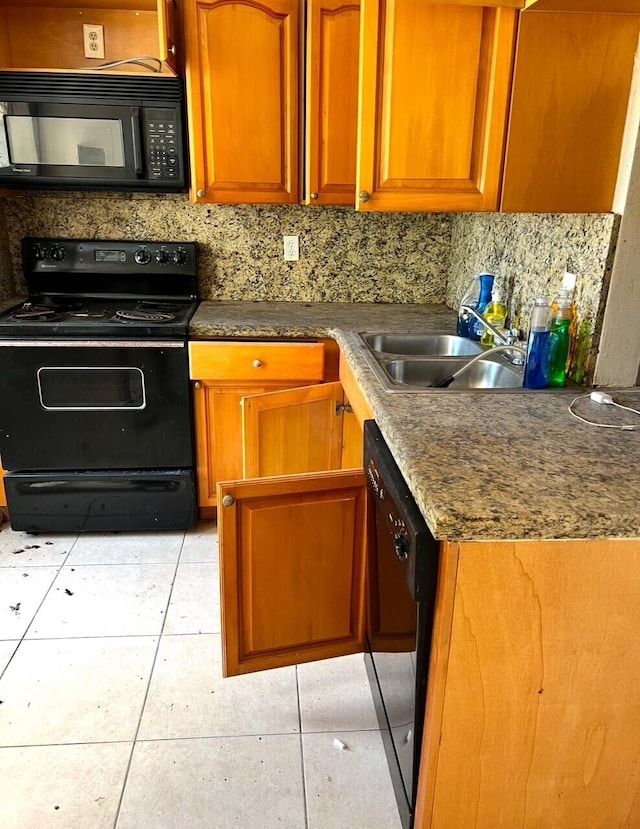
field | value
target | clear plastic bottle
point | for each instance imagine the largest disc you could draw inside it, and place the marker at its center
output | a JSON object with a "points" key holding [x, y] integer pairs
{"points": [[476, 328], [495, 314], [536, 368], [560, 340]]}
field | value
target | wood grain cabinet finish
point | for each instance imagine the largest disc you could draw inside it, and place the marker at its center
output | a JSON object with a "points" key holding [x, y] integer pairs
{"points": [[434, 94], [532, 714], [292, 569], [3, 494], [242, 72], [333, 32], [225, 373], [245, 75], [48, 34], [292, 541], [572, 80]]}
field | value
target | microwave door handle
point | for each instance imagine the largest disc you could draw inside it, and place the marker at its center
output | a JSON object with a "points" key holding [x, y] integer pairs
{"points": [[137, 141]]}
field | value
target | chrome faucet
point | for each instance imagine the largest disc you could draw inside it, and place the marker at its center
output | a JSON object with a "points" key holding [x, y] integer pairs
{"points": [[508, 338], [521, 354]]}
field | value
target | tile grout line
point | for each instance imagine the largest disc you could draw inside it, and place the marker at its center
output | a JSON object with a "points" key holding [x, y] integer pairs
{"points": [[37, 610], [305, 805], [146, 693]]}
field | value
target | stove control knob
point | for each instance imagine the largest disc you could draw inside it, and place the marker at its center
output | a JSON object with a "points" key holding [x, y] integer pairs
{"points": [[40, 254], [57, 253], [142, 256], [162, 256], [179, 256]]}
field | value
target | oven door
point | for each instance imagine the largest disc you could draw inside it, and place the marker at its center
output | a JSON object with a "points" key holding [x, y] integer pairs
{"points": [[94, 405]]}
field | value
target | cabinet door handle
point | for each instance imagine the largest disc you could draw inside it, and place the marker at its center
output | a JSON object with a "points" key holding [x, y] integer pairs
{"points": [[314, 195], [257, 363], [201, 193], [197, 384], [364, 196], [228, 501]]}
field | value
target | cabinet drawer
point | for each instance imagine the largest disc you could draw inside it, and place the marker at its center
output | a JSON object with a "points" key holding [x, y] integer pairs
{"points": [[256, 361]]}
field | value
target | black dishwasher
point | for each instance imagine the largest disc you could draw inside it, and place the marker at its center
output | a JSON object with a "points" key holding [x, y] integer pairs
{"points": [[402, 580]]}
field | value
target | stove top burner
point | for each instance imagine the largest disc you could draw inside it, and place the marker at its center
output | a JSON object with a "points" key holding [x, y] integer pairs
{"points": [[138, 315], [34, 313]]}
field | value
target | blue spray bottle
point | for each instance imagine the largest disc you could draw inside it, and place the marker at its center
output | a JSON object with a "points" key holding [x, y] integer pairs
{"points": [[476, 328], [536, 368]]}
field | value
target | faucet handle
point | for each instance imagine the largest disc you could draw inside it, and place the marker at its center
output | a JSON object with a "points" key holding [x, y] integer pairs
{"points": [[512, 336]]}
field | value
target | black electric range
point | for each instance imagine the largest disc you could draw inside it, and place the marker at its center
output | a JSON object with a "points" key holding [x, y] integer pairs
{"points": [[96, 425]]}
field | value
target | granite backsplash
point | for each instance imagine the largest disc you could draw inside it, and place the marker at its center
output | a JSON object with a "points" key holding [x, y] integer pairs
{"points": [[345, 256], [7, 284], [529, 253]]}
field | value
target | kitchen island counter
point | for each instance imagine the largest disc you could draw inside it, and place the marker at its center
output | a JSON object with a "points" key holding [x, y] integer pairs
{"points": [[481, 465]]}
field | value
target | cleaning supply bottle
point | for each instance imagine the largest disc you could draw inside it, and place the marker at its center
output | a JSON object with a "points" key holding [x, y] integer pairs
{"points": [[536, 368], [563, 330], [476, 328], [462, 327], [560, 340], [496, 314]]}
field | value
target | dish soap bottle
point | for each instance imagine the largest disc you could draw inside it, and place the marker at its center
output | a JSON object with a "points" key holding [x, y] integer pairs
{"points": [[495, 314], [536, 368], [476, 328], [563, 317]]}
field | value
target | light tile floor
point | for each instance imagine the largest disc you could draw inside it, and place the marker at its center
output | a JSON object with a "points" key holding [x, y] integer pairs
{"points": [[114, 712]]}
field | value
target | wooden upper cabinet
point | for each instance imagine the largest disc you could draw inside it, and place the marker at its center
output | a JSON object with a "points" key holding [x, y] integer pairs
{"points": [[435, 82], [242, 62], [333, 31], [572, 81], [48, 34], [292, 569]]}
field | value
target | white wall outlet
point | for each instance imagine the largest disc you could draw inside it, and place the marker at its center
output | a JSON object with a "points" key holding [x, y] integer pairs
{"points": [[291, 249], [93, 39]]}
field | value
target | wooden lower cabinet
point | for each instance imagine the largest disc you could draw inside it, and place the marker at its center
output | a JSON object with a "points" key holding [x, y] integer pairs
{"points": [[532, 713], [3, 494], [225, 372], [292, 560]]}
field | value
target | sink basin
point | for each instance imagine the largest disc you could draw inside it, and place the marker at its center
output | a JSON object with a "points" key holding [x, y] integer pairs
{"points": [[436, 345], [485, 374], [416, 362]]}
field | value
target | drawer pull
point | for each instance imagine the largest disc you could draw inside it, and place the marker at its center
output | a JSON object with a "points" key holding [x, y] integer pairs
{"points": [[257, 363]]}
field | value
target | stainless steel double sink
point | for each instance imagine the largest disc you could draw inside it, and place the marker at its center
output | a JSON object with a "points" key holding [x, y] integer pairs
{"points": [[416, 362]]}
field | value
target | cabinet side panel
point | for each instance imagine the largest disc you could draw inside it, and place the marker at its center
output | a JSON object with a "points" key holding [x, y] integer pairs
{"points": [[571, 86], [541, 723]]}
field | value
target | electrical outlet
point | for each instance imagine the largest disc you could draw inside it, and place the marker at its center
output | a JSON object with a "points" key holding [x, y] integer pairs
{"points": [[291, 249], [93, 39]]}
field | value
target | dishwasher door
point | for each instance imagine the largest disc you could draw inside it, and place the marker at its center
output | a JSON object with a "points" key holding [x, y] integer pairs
{"points": [[402, 578]]}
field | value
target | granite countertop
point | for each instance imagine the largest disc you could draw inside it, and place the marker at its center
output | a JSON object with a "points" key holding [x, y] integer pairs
{"points": [[483, 465]]}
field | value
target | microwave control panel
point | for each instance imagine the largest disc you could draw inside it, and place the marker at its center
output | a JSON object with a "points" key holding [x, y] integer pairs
{"points": [[164, 144]]}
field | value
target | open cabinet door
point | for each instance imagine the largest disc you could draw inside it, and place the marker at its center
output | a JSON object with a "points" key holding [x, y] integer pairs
{"points": [[292, 569], [167, 33], [293, 431]]}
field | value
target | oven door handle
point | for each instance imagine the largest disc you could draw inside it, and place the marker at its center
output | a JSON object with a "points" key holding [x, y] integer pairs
{"points": [[92, 344]]}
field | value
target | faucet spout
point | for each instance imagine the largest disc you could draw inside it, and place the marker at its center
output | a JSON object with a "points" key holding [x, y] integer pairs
{"points": [[498, 335], [442, 384]]}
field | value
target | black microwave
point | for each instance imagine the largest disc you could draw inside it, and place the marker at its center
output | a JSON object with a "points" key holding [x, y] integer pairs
{"points": [[92, 132]]}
